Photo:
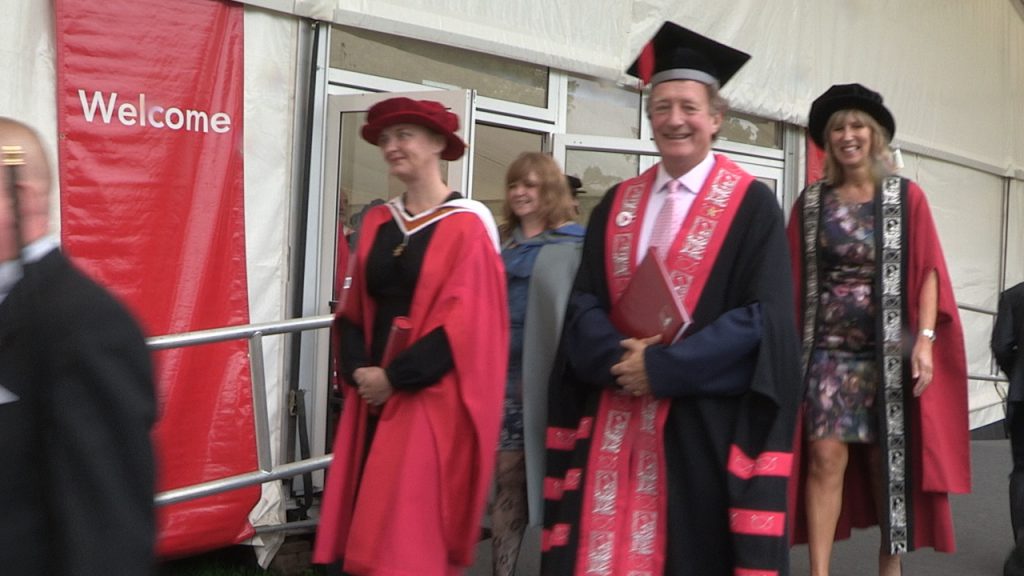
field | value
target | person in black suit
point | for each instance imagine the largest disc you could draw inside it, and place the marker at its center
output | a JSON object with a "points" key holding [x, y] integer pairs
{"points": [[76, 397], [1008, 349]]}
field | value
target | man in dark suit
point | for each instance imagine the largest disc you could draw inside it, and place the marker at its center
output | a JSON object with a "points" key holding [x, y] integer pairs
{"points": [[76, 397], [1008, 348]]}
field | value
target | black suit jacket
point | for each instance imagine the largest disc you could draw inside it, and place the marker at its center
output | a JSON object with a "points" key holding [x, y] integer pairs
{"points": [[1008, 339], [76, 462]]}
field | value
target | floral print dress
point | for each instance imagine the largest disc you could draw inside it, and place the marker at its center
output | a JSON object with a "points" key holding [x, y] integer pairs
{"points": [[843, 375]]}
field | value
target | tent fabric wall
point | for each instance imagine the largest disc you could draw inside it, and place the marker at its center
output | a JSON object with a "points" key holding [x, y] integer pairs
{"points": [[952, 72], [967, 204], [28, 58], [270, 70], [969, 237], [556, 34], [1015, 74], [1015, 234]]}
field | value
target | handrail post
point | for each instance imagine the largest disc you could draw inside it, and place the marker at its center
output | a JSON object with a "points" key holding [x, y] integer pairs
{"points": [[260, 409]]}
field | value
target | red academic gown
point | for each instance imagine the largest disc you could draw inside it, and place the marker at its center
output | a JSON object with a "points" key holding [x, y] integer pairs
{"points": [[937, 421], [415, 506]]}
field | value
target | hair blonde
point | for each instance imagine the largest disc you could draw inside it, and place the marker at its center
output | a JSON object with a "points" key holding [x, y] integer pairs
{"points": [[554, 195], [881, 154]]}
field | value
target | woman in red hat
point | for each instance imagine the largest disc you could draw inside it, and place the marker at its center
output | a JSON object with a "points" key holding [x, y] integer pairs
{"points": [[423, 346], [884, 437]]}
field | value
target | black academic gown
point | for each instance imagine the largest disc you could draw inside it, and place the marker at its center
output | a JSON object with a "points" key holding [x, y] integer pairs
{"points": [[733, 380], [1008, 339], [1008, 349], [77, 475]]}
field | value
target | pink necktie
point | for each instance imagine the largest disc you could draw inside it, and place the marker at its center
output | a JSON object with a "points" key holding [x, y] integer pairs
{"points": [[664, 231]]}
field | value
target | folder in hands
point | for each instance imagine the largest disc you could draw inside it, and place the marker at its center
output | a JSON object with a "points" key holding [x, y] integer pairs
{"points": [[649, 305], [398, 339]]}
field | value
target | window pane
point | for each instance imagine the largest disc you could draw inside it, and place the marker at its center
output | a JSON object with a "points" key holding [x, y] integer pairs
{"points": [[602, 109], [363, 174], [748, 129], [771, 183], [599, 171], [494, 149], [440, 66]]}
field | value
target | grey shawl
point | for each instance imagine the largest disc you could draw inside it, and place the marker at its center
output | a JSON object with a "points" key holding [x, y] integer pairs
{"points": [[550, 285]]}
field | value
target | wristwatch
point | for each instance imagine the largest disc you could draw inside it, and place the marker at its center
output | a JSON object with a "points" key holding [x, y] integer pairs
{"points": [[928, 333]]}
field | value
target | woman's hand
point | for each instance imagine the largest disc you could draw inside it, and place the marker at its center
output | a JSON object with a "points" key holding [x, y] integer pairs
{"points": [[373, 384], [630, 372], [921, 364], [921, 356]]}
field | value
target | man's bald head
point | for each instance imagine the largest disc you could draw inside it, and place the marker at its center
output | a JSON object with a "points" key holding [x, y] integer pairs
{"points": [[33, 182]]}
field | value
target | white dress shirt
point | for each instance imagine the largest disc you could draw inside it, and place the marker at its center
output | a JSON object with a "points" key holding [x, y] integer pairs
{"points": [[692, 182]]}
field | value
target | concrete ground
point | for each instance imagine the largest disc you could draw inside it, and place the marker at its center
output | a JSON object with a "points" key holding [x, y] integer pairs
{"points": [[981, 519]]}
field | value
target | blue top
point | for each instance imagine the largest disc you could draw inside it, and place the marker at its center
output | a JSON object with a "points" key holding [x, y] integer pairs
{"points": [[519, 254]]}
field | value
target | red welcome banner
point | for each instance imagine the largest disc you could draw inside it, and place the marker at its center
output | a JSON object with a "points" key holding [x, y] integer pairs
{"points": [[150, 121]]}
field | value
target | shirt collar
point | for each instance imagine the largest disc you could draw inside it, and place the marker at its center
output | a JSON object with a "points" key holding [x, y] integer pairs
{"points": [[692, 181], [35, 251], [10, 271]]}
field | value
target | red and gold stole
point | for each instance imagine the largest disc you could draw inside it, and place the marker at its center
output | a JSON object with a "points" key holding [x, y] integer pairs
{"points": [[623, 521]]}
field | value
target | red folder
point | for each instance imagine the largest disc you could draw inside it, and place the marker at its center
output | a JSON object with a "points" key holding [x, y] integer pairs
{"points": [[398, 339], [649, 305]]}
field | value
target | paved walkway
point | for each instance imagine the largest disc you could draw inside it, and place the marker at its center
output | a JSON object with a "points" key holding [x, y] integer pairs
{"points": [[982, 521]]}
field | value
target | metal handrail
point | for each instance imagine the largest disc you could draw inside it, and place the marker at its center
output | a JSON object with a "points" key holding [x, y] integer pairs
{"points": [[994, 375], [212, 487], [266, 472], [978, 309], [214, 335]]}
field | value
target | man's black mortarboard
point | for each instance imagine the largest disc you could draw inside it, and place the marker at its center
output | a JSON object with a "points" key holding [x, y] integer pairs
{"points": [[675, 53]]}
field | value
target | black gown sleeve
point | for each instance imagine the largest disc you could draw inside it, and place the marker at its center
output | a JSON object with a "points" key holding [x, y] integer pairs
{"points": [[423, 363], [1004, 341], [352, 354], [418, 366], [716, 361]]}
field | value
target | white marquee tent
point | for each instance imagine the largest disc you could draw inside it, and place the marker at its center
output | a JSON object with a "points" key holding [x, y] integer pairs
{"points": [[951, 71]]}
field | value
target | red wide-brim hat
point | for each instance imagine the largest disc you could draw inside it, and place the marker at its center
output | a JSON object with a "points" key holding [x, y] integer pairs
{"points": [[427, 113]]}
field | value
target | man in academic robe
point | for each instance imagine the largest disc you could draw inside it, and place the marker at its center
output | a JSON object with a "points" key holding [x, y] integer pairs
{"points": [[673, 457], [76, 398], [1008, 349]]}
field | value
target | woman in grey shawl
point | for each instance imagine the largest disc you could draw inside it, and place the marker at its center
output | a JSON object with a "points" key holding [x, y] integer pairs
{"points": [[541, 251]]}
